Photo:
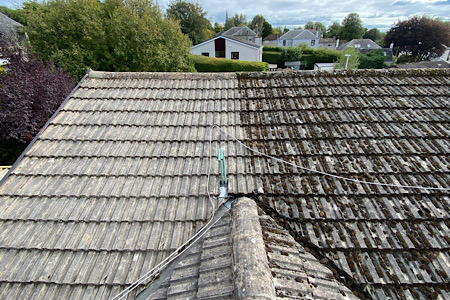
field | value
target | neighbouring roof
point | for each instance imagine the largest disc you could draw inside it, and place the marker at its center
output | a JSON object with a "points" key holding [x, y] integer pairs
{"points": [[438, 64], [239, 31], [303, 34], [272, 37], [360, 44], [118, 181], [8, 27]]}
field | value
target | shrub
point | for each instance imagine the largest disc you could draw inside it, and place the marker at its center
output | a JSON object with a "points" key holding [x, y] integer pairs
{"points": [[211, 64], [273, 49], [291, 54], [30, 93], [273, 58], [318, 56], [372, 60]]}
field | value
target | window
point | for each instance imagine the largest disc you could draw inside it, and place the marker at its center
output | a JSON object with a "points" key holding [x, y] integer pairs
{"points": [[205, 53], [250, 39], [234, 55], [284, 43], [313, 42]]}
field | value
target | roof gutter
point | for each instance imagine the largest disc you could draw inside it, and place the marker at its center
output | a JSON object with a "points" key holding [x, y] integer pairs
{"points": [[44, 128]]}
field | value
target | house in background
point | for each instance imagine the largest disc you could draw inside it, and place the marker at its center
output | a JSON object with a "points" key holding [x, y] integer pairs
{"points": [[365, 46], [360, 44], [328, 43], [297, 37], [243, 34], [271, 40], [240, 43]]}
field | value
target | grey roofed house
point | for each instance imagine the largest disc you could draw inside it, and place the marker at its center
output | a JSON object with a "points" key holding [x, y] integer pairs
{"points": [[302, 34], [243, 34], [239, 31], [118, 181], [360, 44]]}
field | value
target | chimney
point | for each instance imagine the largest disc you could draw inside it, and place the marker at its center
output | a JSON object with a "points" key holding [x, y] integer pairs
{"points": [[337, 43], [391, 46], [317, 32]]}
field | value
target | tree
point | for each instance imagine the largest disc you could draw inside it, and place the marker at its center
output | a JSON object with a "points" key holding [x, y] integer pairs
{"points": [[351, 63], [291, 54], [218, 27], [320, 26], [236, 21], [372, 60], [334, 30], [316, 26], [309, 25], [30, 93], [15, 14], [351, 27], [419, 37], [374, 34], [114, 35], [192, 20], [260, 24]]}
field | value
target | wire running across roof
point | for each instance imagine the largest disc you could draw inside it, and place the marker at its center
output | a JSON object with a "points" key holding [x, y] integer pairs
{"points": [[118, 180]]}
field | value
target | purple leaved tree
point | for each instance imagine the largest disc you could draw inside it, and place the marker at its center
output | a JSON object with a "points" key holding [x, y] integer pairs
{"points": [[30, 92]]}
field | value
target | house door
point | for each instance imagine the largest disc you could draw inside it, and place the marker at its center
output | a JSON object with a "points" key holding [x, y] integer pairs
{"points": [[220, 47]]}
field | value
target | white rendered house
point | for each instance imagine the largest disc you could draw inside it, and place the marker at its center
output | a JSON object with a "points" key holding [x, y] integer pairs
{"points": [[228, 47]]}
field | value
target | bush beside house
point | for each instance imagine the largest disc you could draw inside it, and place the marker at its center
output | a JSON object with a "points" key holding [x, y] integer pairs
{"points": [[211, 64], [30, 93]]}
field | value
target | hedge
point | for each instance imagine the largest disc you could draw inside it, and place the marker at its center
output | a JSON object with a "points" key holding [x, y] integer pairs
{"points": [[318, 56], [273, 58], [273, 49], [212, 64], [309, 56]]}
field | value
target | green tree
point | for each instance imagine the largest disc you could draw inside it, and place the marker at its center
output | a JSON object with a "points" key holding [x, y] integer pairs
{"points": [[320, 26], [192, 19], [291, 54], [309, 25], [17, 15], [260, 24], [351, 27], [218, 27], [316, 26], [374, 34], [235, 21], [334, 30], [419, 37], [114, 35], [353, 59], [372, 60]]}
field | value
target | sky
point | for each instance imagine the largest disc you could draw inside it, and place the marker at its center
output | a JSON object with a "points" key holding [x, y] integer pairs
{"points": [[381, 14]]}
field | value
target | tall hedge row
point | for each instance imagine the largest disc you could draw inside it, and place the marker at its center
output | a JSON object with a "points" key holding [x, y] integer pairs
{"points": [[211, 64], [273, 57], [309, 56]]}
